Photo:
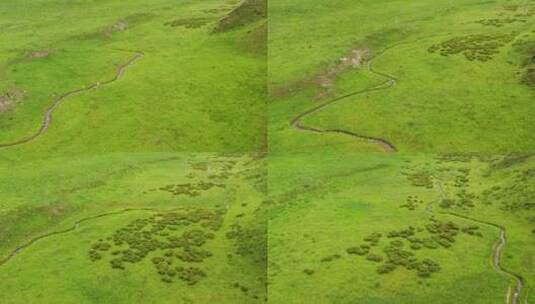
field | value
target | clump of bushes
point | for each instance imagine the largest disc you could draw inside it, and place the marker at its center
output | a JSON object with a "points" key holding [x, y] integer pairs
{"points": [[419, 178], [374, 257], [416, 246], [386, 268], [374, 238], [472, 230], [102, 246], [331, 258], [465, 199], [397, 254], [94, 255], [447, 203], [397, 257], [160, 232], [193, 255], [403, 233], [480, 47], [412, 203], [360, 250], [444, 233], [429, 243], [190, 275], [396, 243], [499, 22], [426, 267]]}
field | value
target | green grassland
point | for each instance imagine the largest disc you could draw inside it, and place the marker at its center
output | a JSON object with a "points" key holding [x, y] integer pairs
{"points": [[200, 85], [231, 151], [369, 228], [133, 228], [463, 73]]}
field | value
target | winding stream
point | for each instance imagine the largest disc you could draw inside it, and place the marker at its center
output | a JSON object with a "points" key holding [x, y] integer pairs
{"points": [[32, 241], [512, 295], [390, 82], [47, 118]]}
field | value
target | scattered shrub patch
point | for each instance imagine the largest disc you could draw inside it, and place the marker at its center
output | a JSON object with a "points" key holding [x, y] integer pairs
{"points": [[331, 258], [165, 234], [412, 203], [480, 47]]}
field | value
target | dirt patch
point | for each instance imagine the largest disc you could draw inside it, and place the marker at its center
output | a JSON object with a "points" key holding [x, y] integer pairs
{"points": [[38, 54], [370, 44], [117, 27], [5, 104], [9, 99], [325, 80]]}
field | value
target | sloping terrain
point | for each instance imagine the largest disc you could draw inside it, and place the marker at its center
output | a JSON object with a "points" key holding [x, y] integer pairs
{"points": [[366, 228], [432, 77], [192, 90], [160, 228], [253, 151]]}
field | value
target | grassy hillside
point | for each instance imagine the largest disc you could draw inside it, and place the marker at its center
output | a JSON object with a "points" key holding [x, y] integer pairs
{"points": [[253, 151], [160, 228], [436, 76], [193, 89], [348, 228]]}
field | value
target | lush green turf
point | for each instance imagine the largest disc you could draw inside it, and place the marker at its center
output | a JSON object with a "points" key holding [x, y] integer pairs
{"points": [[57, 192], [326, 204], [173, 180], [194, 90], [439, 103]]}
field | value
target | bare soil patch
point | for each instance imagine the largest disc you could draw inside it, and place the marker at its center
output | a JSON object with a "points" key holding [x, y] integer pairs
{"points": [[325, 80], [9, 99], [354, 58], [38, 54]]}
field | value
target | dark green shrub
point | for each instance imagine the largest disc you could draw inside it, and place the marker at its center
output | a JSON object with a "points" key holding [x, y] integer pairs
{"points": [[374, 257], [309, 271], [331, 258], [386, 268], [358, 250]]}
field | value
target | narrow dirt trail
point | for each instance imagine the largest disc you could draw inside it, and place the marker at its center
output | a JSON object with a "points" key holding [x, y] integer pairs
{"points": [[390, 82], [32, 241], [512, 294], [47, 117]]}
